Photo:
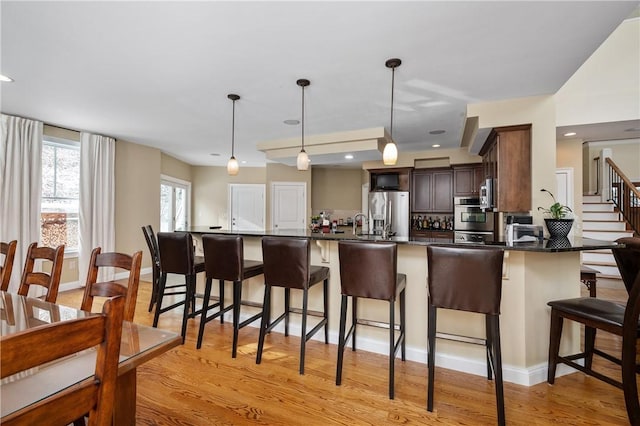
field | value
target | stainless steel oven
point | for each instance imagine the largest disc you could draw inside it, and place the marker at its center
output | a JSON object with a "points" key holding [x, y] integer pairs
{"points": [[468, 216]]}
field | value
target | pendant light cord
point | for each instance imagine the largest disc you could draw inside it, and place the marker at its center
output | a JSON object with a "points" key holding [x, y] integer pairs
{"points": [[233, 128], [303, 118], [393, 75]]}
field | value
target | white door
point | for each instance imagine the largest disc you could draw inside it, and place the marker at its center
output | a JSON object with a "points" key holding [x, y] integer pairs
{"points": [[247, 207], [175, 202], [564, 189], [289, 201]]}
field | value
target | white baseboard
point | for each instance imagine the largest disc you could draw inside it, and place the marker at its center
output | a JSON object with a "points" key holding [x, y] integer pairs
{"points": [[520, 376]]}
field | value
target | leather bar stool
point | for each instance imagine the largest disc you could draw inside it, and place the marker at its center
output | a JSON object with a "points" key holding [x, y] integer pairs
{"points": [[224, 261], [369, 270], [612, 317], [177, 257], [152, 243], [287, 264], [467, 279]]}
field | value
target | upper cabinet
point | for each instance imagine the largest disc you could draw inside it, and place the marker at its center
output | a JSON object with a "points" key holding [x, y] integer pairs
{"points": [[432, 190], [506, 159], [391, 179], [467, 179]]}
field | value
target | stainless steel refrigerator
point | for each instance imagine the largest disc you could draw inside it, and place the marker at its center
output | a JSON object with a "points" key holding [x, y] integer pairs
{"points": [[389, 210]]}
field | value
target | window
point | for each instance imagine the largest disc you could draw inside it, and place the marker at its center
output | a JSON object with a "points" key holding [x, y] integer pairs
{"points": [[175, 198], [60, 193]]}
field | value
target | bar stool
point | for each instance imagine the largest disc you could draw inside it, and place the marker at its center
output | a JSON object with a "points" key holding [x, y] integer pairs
{"points": [[287, 264], [589, 279], [612, 317], [152, 243], [177, 257], [224, 261], [467, 279], [369, 270]]}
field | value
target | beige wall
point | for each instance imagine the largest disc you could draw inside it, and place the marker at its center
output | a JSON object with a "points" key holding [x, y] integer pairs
{"points": [[137, 198], [210, 195], [607, 86], [173, 167], [569, 155], [58, 132], [336, 188], [625, 153]]}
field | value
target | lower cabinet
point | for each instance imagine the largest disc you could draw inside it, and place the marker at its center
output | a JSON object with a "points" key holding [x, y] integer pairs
{"points": [[432, 235]]}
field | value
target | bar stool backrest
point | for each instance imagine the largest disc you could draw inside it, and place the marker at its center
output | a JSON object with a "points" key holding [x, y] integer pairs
{"points": [[368, 269], [152, 243], [176, 252], [286, 262], [50, 281], [465, 279], [9, 252], [223, 257], [628, 260]]}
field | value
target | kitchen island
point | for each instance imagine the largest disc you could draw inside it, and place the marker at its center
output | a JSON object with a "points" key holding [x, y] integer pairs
{"points": [[533, 274]]}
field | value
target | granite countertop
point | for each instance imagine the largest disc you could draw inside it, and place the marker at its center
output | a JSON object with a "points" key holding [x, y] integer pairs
{"points": [[547, 245]]}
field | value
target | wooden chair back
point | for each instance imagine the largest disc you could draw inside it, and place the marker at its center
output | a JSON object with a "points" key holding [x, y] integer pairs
{"points": [[9, 252], [50, 281], [94, 395], [129, 291]]}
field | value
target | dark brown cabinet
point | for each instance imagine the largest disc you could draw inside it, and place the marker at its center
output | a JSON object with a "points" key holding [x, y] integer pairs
{"points": [[432, 235], [506, 158], [432, 190], [467, 179]]}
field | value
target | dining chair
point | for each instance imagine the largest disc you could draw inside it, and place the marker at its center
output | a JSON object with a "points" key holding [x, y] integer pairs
{"points": [[287, 264], [612, 317], [470, 280], [177, 258], [152, 243], [95, 395], [224, 261], [370, 270], [50, 281], [9, 252], [94, 288]]}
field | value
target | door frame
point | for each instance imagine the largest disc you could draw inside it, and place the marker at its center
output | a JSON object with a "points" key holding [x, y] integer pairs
{"points": [[261, 186], [303, 185]]}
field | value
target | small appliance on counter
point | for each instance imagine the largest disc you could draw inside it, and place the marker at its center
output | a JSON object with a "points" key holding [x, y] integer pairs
{"points": [[521, 229]]}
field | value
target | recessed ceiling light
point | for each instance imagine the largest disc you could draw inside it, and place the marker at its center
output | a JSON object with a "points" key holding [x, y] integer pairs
{"points": [[570, 134], [436, 132], [244, 161], [291, 122], [5, 78], [215, 154], [349, 156], [435, 145]]}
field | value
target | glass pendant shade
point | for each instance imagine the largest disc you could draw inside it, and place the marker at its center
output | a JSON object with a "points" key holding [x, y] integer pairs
{"points": [[390, 154], [232, 166], [303, 160]]}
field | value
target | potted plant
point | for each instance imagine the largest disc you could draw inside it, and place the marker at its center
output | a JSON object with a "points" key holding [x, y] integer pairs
{"points": [[558, 224]]}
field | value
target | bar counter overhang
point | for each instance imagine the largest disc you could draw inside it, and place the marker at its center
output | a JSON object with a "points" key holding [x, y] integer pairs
{"points": [[533, 274]]}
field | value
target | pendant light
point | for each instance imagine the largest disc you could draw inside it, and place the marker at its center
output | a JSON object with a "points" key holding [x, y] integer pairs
{"points": [[390, 153], [303, 159], [232, 165]]}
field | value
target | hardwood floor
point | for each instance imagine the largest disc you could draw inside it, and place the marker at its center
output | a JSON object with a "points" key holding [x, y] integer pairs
{"points": [[187, 386]]}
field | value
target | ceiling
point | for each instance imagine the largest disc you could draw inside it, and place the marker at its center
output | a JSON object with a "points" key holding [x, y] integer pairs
{"points": [[158, 73]]}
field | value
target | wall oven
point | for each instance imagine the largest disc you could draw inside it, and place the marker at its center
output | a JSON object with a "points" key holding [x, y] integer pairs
{"points": [[470, 217]]}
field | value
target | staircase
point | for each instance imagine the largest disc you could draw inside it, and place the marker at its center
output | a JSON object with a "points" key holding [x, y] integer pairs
{"points": [[601, 221]]}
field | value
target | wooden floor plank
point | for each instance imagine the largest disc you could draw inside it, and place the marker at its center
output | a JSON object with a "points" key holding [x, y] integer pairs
{"points": [[187, 386]]}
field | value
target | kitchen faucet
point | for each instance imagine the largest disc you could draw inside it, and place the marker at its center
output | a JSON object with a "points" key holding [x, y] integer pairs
{"points": [[355, 222]]}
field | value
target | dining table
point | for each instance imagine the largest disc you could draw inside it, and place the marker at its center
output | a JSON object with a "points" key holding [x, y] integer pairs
{"points": [[139, 344]]}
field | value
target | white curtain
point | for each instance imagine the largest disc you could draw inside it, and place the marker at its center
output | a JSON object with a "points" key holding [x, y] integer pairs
{"points": [[20, 187], [97, 207]]}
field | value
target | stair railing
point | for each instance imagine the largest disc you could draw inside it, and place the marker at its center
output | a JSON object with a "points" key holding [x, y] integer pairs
{"points": [[624, 194]]}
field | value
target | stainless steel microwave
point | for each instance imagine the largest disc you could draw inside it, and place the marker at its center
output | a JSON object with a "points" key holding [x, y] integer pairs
{"points": [[486, 195]]}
